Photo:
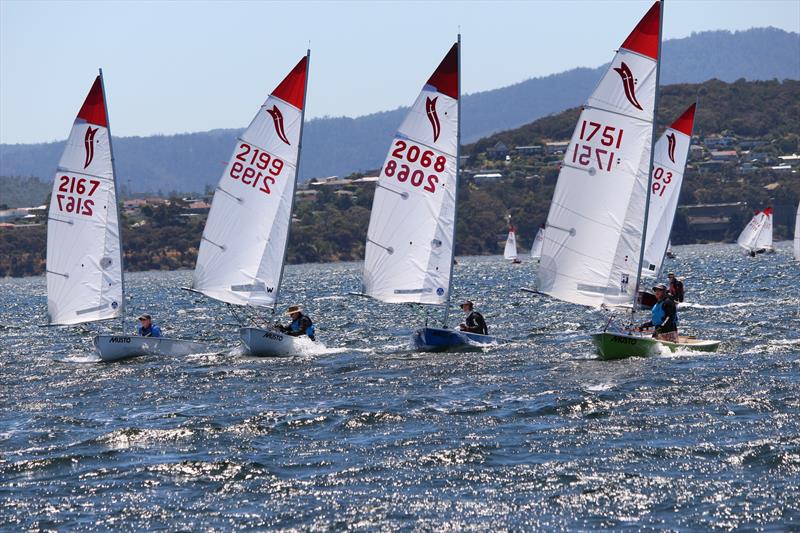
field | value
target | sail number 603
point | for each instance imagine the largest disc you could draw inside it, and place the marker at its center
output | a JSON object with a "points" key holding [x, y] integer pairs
{"points": [[255, 168]]}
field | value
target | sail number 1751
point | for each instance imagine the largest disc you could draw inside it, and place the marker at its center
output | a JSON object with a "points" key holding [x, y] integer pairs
{"points": [[610, 137]]}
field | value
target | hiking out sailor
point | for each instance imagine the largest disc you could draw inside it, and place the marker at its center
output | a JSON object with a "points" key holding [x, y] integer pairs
{"points": [[675, 287], [664, 316], [147, 328], [474, 321], [300, 325]]}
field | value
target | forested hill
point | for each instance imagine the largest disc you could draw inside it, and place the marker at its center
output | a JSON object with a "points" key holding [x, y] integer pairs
{"points": [[339, 146], [746, 109]]}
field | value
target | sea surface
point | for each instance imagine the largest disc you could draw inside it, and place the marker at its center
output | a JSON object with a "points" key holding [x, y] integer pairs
{"points": [[366, 434]]}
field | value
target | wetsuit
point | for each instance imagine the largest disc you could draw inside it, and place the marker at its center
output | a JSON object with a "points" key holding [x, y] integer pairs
{"points": [[300, 326], [152, 331], [676, 289], [664, 317], [475, 323]]}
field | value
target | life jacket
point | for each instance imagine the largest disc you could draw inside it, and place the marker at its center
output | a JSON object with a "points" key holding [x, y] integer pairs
{"points": [[659, 314], [297, 325]]}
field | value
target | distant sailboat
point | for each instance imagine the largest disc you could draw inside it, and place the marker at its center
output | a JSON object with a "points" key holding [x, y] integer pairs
{"points": [[595, 229], [243, 249], [797, 234], [510, 250], [409, 247], [536, 249], [756, 237], [84, 251]]}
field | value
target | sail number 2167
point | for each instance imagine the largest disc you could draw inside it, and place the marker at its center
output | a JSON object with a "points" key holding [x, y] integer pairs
{"points": [[74, 189], [421, 168], [255, 167]]}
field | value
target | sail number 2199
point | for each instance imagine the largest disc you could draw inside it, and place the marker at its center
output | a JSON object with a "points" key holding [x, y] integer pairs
{"points": [[419, 171], [255, 167]]}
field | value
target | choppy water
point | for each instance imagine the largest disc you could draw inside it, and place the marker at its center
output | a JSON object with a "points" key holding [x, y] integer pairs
{"points": [[367, 434]]}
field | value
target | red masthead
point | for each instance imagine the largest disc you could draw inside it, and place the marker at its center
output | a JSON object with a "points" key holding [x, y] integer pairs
{"points": [[292, 89], [685, 122], [644, 37], [93, 109], [445, 77]]}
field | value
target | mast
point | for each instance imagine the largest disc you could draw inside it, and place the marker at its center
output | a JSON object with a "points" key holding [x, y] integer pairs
{"points": [[294, 184], [116, 200], [455, 210], [650, 168]]}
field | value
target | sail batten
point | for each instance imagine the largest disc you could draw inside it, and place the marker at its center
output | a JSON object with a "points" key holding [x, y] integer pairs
{"points": [[84, 256], [409, 245], [243, 248], [590, 255]]}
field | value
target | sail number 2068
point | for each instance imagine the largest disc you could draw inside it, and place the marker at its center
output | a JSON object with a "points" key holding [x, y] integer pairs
{"points": [[421, 170], [74, 189], [255, 168]]}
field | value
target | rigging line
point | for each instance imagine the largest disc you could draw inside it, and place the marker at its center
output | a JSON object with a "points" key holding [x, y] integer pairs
{"points": [[57, 273], [389, 250], [70, 222]]}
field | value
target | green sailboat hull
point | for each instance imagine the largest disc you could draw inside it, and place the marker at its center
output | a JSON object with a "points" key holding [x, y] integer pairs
{"points": [[621, 346]]}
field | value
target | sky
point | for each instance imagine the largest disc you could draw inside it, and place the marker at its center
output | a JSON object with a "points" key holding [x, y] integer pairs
{"points": [[186, 66]]}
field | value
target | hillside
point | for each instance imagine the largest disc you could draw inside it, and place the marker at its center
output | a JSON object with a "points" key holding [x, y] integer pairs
{"points": [[757, 121], [338, 146]]}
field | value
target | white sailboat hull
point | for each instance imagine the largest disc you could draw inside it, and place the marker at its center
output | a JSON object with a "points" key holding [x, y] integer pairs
{"points": [[273, 343], [116, 347]]}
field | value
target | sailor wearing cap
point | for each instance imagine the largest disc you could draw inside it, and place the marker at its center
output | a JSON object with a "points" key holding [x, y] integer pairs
{"points": [[664, 318], [147, 328], [474, 322], [675, 287], [301, 324]]}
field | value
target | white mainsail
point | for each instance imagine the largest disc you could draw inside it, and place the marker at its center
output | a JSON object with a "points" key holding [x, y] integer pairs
{"points": [[748, 239], [536, 249], [669, 162], [244, 241], [594, 228], [510, 251], [409, 249], [797, 234], [84, 254], [764, 239]]}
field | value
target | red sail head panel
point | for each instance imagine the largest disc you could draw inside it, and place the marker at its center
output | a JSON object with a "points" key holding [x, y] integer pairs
{"points": [[445, 78], [685, 122], [644, 37], [292, 89], [93, 109]]}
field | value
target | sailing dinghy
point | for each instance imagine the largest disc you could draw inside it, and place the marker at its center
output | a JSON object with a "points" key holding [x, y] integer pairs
{"points": [[243, 249], [797, 234], [536, 249], [409, 248], [594, 245], [510, 250], [84, 250], [756, 237]]}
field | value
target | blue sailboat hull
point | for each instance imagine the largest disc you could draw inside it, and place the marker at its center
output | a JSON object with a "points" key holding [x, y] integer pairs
{"points": [[438, 339]]}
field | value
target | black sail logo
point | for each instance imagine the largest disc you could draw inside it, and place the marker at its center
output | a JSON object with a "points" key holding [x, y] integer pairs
{"points": [[628, 84], [430, 109], [88, 143], [277, 119], [671, 146]]}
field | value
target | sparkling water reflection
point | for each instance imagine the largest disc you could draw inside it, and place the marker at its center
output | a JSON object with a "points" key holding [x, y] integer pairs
{"points": [[367, 433]]}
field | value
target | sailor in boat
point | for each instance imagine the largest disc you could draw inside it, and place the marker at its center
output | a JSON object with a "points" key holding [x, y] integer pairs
{"points": [[675, 287], [664, 317], [301, 324], [147, 328], [474, 322]]}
